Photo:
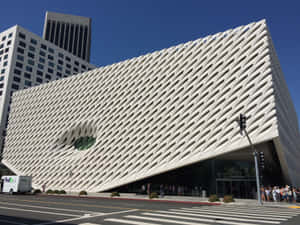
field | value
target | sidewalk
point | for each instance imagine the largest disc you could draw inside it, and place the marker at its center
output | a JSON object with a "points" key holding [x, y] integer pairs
{"points": [[181, 199]]}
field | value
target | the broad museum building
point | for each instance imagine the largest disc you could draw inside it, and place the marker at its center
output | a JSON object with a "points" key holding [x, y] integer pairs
{"points": [[166, 118]]}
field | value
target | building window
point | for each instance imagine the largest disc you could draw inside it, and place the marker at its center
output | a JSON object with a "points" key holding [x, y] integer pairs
{"points": [[83, 67], [22, 44], [40, 73], [33, 41], [43, 46], [40, 66], [1, 46], [20, 65], [15, 86], [51, 64], [51, 50], [60, 62], [27, 83], [39, 80], [75, 69], [30, 62], [68, 66], [17, 79], [42, 53], [1, 85], [31, 55], [48, 76], [8, 43], [5, 64], [60, 55], [10, 35], [2, 78], [76, 63], [50, 57], [21, 35], [7, 49], [18, 72], [68, 72], [20, 57], [27, 75], [58, 74], [42, 60], [50, 70], [20, 50], [3, 38], [2, 71], [31, 48], [68, 58], [5, 57], [28, 68], [59, 68]]}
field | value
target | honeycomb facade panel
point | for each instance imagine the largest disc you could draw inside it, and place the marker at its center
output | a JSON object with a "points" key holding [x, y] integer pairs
{"points": [[153, 113]]}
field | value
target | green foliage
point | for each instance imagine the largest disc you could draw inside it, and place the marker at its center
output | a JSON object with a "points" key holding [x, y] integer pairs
{"points": [[62, 192], [228, 198], [213, 198], [37, 191], [153, 195], [49, 191], [115, 194], [84, 143], [56, 191], [82, 193]]}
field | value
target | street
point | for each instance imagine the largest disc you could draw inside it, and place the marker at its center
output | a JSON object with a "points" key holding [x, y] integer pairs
{"points": [[42, 210]]}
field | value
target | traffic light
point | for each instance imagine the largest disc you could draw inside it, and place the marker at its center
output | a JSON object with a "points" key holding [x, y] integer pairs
{"points": [[242, 122], [262, 160]]}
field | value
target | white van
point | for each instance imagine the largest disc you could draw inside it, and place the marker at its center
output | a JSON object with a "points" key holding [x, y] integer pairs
{"points": [[16, 184]]}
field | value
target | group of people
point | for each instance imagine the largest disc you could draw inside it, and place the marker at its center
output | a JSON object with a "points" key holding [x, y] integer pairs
{"points": [[277, 194]]}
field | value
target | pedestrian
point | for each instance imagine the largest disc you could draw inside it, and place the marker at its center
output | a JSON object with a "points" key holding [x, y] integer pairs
{"points": [[294, 195], [262, 193], [274, 194], [267, 191]]}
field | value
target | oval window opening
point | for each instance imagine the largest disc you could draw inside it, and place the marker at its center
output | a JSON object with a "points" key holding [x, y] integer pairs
{"points": [[84, 143]]}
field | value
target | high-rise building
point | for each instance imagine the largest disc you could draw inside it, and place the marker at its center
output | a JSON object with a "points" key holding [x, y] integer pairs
{"points": [[72, 33], [168, 117], [27, 60]]}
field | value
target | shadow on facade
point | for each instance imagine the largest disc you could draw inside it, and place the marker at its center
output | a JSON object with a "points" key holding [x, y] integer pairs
{"points": [[232, 173]]}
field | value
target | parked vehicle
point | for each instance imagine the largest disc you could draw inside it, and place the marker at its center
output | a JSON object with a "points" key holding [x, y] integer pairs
{"points": [[16, 184]]}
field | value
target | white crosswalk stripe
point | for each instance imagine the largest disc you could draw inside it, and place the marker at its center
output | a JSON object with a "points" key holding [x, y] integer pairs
{"points": [[231, 215]]}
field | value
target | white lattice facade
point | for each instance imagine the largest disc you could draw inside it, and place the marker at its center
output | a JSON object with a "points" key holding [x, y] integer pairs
{"points": [[155, 113]]}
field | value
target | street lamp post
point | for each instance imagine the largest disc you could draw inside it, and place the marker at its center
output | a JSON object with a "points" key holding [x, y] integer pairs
{"points": [[242, 123]]}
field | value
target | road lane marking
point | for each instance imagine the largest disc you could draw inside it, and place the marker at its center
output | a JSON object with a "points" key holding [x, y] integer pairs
{"points": [[130, 222], [11, 222], [237, 213], [200, 219], [43, 207], [165, 220], [217, 218], [229, 214], [87, 217], [261, 210], [83, 205], [36, 211]]}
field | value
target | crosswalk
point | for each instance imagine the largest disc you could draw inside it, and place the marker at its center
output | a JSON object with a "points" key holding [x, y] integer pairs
{"points": [[205, 215]]}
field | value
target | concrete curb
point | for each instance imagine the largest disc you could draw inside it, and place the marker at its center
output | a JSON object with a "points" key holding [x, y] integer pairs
{"points": [[131, 199]]}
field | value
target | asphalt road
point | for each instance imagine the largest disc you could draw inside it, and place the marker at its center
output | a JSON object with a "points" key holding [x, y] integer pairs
{"points": [[42, 210]]}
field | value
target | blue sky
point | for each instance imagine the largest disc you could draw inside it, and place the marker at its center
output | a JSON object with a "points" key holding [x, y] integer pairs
{"points": [[123, 29]]}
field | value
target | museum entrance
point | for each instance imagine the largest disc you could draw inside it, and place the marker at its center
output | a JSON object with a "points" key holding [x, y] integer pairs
{"points": [[238, 187]]}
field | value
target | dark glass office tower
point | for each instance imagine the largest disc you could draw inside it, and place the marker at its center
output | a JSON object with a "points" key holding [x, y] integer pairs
{"points": [[72, 33]]}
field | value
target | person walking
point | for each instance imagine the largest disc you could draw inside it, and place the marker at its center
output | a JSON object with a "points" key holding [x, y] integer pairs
{"points": [[274, 194]]}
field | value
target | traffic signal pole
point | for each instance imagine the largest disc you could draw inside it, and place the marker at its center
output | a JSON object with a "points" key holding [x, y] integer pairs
{"points": [[242, 123], [256, 167]]}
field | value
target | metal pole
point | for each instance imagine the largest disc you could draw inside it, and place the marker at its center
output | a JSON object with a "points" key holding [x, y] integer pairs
{"points": [[256, 168]]}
